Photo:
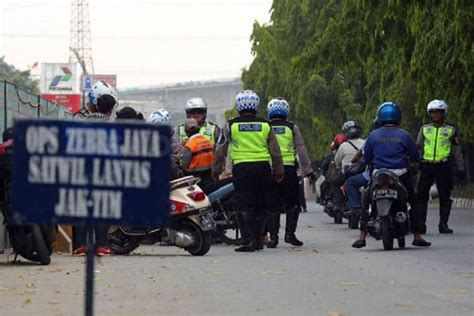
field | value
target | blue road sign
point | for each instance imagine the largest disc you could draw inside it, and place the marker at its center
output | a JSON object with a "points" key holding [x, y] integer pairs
{"points": [[90, 172], [86, 82]]}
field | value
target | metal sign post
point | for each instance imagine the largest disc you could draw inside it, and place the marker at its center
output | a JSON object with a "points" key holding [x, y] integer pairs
{"points": [[91, 173], [89, 311]]}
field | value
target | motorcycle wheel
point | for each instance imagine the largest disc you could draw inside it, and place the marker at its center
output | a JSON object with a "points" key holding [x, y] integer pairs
{"points": [[227, 229], [120, 243], [387, 238], [39, 243], [203, 239], [338, 218], [49, 233], [401, 242], [353, 222]]}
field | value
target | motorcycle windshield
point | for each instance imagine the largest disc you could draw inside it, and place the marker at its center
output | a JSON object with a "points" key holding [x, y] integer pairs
{"points": [[383, 207]]}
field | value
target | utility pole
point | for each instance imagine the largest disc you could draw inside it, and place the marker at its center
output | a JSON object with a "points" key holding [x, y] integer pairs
{"points": [[80, 49]]}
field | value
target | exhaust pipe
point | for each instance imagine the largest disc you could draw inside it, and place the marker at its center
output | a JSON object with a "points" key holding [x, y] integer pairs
{"points": [[182, 239]]}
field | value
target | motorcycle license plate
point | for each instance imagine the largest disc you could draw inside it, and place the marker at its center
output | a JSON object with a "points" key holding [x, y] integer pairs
{"points": [[207, 222], [385, 194]]}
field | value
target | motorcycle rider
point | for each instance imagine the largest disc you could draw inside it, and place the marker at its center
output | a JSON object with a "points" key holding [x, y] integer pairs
{"points": [[102, 100], [128, 113], [198, 153], [196, 108], [357, 181], [253, 146], [328, 161], [388, 147], [343, 160], [286, 192], [162, 117], [439, 143]]}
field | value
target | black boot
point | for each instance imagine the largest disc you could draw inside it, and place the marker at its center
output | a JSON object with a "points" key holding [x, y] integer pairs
{"points": [[260, 223], [247, 229], [292, 215], [273, 225], [444, 211]]}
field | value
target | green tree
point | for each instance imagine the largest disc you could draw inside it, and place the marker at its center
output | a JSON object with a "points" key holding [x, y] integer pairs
{"points": [[336, 60], [18, 77]]}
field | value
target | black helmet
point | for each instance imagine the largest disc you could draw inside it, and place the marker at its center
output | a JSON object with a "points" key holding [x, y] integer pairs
{"points": [[351, 129]]}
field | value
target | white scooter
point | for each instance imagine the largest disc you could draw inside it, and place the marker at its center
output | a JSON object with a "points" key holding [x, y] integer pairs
{"points": [[191, 223]]}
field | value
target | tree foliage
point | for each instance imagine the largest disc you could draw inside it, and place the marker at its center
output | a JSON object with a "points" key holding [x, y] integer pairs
{"points": [[337, 60], [20, 78]]}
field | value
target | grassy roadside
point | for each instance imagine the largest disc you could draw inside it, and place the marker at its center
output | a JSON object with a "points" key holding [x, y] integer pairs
{"points": [[464, 191]]}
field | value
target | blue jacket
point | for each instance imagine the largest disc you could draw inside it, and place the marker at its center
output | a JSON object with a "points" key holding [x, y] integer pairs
{"points": [[389, 147]]}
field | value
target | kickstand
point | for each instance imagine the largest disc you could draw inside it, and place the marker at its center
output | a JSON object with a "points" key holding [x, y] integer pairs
{"points": [[16, 256]]}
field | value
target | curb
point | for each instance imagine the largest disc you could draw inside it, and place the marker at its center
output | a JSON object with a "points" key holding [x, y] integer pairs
{"points": [[457, 202], [463, 202]]}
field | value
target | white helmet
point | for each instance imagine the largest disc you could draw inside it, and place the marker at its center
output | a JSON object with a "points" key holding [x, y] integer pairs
{"points": [[196, 103], [437, 105], [246, 100], [278, 107], [99, 89], [160, 117]]}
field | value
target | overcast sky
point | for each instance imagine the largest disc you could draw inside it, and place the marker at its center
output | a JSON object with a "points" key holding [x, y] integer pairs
{"points": [[144, 42]]}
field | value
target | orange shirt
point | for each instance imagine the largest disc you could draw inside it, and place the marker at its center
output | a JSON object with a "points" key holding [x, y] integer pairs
{"points": [[202, 153]]}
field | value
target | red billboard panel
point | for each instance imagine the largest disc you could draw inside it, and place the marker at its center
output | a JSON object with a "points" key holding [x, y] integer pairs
{"points": [[72, 102]]}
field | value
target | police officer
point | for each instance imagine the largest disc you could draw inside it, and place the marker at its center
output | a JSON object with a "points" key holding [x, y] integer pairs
{"points": [[438, 142], [198, 153], [286, 193], [196, 108], [253, 147]]}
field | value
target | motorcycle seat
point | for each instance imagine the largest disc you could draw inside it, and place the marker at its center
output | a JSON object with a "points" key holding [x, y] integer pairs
{"points": [[183, 182]]}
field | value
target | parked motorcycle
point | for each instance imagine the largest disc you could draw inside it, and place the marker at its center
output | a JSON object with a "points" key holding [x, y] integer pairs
{"points": [[32, 242], [388, 203], [221, 196], [191, 223]]}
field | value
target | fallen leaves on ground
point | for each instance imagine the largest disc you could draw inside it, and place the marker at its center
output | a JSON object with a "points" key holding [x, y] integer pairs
{"points": [[335, 314], [295, 249], [315, 250], [28, 301], [56, 269], [351, 284], [30, 285], [466, 275], [216, 273], [52, 302], [463, 291], [405, 304], [26, 292], [274, 272]]}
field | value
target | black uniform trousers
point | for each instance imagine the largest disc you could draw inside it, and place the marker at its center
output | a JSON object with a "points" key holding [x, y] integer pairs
{"points": [[253, 188], [441, 173], [286, 193]]}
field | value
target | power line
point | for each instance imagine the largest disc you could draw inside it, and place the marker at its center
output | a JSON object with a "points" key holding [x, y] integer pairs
{"points": [[129, 37]]}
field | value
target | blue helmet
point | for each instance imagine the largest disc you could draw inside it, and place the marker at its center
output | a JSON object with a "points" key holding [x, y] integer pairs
{"points": [[389, 112], [246, 100], [278, 107]]}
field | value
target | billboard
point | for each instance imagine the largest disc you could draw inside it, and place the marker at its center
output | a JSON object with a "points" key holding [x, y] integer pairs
{"points": [[88, 80], [60, 78], [72, 102]]}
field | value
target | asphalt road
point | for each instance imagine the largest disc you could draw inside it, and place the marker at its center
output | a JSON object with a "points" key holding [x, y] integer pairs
{"points": [[324, 277]]}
